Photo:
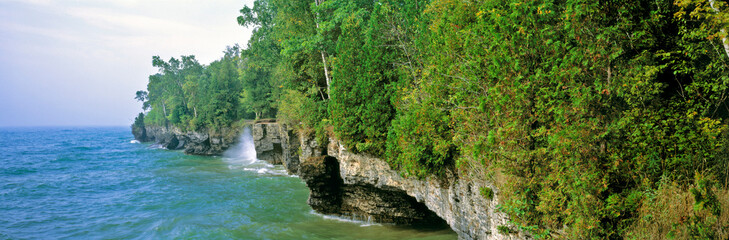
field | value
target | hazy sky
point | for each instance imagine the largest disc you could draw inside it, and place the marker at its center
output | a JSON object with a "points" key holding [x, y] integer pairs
{"points": [[79, 62]]}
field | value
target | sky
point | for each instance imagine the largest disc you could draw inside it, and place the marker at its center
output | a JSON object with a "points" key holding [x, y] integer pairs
{"points": [[80, 62]]}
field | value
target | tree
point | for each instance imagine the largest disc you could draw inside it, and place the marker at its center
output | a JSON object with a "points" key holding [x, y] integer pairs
{"points": [[360, 106], [143, 97]]}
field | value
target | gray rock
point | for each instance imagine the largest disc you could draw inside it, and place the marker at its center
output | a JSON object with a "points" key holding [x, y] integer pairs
{"points": [[329, 195], [276, 144], [356, 185], [325, 185], [457, 201], [367, 187], [201, 142]]}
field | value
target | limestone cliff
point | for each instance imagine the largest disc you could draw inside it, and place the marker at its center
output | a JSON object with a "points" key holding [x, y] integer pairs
{"points": [[457, 201], [277, 145], [355, 185], [363, 186], [202, 142]]}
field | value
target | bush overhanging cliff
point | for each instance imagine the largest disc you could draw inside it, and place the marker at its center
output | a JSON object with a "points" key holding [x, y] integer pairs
{"points": [[585, 114]]}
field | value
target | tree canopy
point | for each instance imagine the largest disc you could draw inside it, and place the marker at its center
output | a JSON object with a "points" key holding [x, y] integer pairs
{"points": [[189, 95], [589, 116]]}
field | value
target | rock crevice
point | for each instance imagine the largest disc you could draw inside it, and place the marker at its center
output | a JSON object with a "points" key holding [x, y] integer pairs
{"points": [[456, 201], [330, 195], [276, 144], [348, 184], [355, 184]]}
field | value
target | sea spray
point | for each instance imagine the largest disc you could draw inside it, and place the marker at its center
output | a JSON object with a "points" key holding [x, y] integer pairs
{"points": [[354, 219], [243, 156], [244, 152], [112, 189]]}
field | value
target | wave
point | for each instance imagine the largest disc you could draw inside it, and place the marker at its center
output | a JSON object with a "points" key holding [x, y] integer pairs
{"points": [[156, 146], [258, 166], [349, 219], [243, 156], [244, 150]]}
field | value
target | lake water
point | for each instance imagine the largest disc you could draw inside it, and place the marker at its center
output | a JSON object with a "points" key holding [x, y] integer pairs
{"points": [[96, 183]]}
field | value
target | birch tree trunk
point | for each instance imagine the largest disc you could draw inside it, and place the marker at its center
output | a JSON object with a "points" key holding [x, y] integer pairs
{"points": [[164, 108], [723, 30], [323, 54]]}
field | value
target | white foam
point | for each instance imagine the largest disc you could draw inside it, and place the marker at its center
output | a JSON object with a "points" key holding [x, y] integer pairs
{"points": [[157, 146], [348, 219], [243, 156], [134, 141], [244, 151]]}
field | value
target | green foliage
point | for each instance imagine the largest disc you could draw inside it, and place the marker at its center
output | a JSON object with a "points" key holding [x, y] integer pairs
{"points": [[704, 196], [223, 86], [139, 120], [702, 225], [138, 125], [283, 71], [138, 129], [301, 110], [580, 104], [360, 102], [583, 106], [586, 109], [257, 73], [487, 193], [419, 141], [703, 222], [295, 30], [504, 229], [189, 95]]}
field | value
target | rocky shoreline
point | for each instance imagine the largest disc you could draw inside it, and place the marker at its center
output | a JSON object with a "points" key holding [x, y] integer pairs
{"points": [[204, 142], [357, 185], [348, 184]]}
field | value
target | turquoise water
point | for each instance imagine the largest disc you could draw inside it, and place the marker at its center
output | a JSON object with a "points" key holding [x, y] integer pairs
{"points": [[94, 183]]}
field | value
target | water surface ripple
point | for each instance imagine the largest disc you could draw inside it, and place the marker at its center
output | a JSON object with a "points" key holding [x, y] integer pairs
{"points": [[95, 183]]}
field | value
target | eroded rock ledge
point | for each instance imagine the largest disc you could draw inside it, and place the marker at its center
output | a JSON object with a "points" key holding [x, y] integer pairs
{"points": [[275, 144], [344, 183], [355, 185], [203, 142], [330, 195]]}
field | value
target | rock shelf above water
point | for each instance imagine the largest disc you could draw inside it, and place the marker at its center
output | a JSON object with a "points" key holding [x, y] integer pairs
{"points": [[356, 185]]}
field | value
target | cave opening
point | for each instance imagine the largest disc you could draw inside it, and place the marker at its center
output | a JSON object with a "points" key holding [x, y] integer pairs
{"points": [[364, 202]]}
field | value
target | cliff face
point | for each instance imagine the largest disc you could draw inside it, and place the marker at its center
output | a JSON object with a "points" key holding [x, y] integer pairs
{"points": [[204, 142], [330, 194], [363, 186], [355, 185], [458, 202], [277, 145]]}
